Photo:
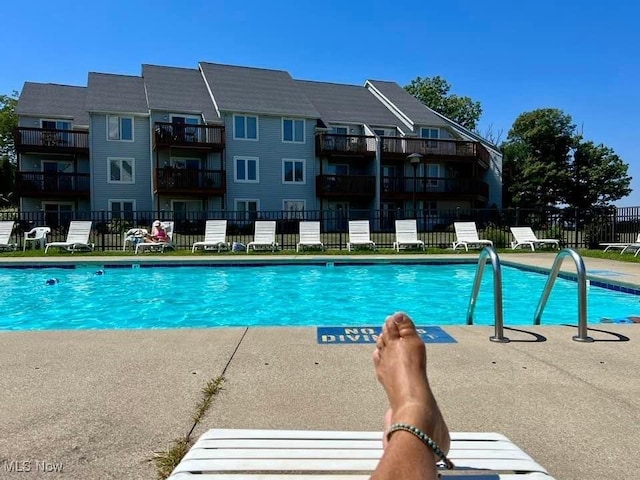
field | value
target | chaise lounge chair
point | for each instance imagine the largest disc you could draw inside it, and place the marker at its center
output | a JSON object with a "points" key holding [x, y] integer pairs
{"points": [[264, 236], [305, 454], [157, 246], [309, 236], [524, 236], [467, 236], [623, 246], [359, 235], [215, 233], [407, 235], [6, 228], [77, 238]]}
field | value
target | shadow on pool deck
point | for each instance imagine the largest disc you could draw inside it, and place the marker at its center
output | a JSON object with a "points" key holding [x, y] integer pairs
{"points": [[100, 402]]}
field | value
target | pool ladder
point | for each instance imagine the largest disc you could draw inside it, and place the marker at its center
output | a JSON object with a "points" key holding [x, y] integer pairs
{"points": [[490, 253]]}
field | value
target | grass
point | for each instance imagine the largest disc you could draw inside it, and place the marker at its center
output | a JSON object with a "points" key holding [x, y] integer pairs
{"points": [[167, 460]]}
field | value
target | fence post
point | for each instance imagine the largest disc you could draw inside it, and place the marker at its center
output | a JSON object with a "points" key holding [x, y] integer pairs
{"points": [[104, 228]]}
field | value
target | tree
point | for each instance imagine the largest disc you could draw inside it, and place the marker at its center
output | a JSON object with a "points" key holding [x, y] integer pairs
{"points": [[8, 159], [546, 163], [8, 121], [536, 158], [434, 93], [599, 177]]}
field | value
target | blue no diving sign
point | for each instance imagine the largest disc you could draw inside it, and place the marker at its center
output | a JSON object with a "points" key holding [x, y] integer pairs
{"points": [[345, 335]]}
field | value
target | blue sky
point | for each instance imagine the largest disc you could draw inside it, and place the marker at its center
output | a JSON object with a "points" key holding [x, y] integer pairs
{"points": [[512, 56]]}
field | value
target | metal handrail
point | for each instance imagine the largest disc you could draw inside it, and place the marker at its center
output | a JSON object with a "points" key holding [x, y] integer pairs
{"points": [[582, 292], [497, 292]]}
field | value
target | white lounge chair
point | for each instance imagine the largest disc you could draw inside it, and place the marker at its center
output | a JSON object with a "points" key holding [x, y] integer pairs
{"points": [[253, 454], [359, 235], [523, 236], [407, 235], [309, 236], [467, 236], [132, 237], [264, 236], [37, 235], [215, 233], [623, 246], [77, 237], [6, 228], [158, 246]]}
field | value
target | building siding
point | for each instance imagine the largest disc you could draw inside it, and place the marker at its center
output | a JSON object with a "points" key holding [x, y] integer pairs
{"points": [[270, 149], [139, 149]]}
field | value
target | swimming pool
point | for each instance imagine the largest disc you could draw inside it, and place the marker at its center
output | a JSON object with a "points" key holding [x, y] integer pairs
{"points": [[306, 295]]}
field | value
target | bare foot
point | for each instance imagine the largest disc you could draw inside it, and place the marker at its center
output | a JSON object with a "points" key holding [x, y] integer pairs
{"points": [[401, 367]]}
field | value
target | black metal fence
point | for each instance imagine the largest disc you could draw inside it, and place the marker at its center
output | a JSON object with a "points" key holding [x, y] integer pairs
{"points": [[574, 228]]}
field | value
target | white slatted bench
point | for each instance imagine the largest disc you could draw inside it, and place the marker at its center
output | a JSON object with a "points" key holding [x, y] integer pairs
{"points": [[336, 455]]}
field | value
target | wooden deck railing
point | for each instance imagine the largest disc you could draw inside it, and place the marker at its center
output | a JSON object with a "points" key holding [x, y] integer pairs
{"points": [[50, 140], [45, 183], [403, 146], [346, 185], [185, 180], [186, 135], [331, 143]]}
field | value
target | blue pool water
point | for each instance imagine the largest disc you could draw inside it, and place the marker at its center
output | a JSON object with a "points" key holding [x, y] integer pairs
{"points": [[283, 295]]}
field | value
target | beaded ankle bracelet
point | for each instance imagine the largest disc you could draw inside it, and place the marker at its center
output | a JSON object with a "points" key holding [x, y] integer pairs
{"points": [[424, 438]]}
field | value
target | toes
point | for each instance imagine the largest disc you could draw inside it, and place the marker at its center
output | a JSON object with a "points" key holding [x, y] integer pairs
{"points": [[393, 324], [404, 325]]}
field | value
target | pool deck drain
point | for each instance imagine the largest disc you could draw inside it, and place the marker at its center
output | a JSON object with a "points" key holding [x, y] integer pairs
{"points": [[100, 402]]}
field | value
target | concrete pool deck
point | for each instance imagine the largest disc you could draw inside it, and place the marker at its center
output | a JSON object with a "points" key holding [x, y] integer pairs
{"points": [[101, 402]]}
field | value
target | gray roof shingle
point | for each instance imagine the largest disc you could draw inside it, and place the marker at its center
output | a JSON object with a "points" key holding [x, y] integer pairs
{"points": [[348, 103], [256, 90], [413, 108], [180, 90], [54, 101], [116, 93]]}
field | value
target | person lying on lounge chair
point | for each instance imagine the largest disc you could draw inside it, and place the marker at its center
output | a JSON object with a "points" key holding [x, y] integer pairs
{"points": [[416, 435], [158, 234]]}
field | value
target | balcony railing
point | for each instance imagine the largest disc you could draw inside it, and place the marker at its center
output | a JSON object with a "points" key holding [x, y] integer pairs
{"points": [[404, 187], [332, 144], [45, 183], [27, 139], [402, 146], [190, 136], [345, 185], [190, 181]]}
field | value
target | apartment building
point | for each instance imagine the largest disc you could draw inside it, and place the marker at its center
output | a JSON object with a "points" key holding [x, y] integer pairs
{"points": [[221, 138]]}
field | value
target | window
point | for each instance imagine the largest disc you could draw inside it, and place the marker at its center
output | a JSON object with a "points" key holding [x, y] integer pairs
{"points": [[379, 131], [432, 133], [184, 128], [293, 171], [122, 209], [119, 128], [433, 172], [245, 127], [57, 214], [186, 163], [246, 169], [186, 209], [293, 209], [121, 170], [292, 130]]}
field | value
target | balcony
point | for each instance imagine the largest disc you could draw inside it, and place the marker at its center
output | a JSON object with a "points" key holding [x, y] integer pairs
{"points": [[45, 184], [398, 148], [331, 144], [433, 188], [41, 140], [185, 181], [354, 186], [203, 137]]}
